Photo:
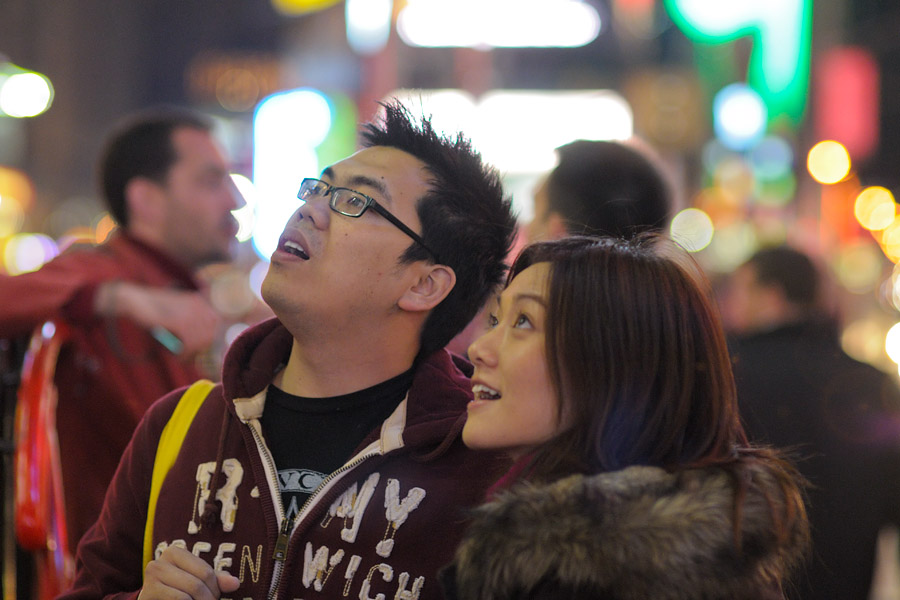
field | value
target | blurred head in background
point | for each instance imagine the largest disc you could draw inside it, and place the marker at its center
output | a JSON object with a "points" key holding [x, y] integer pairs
{"points": [[601, 188], [165, 181], [775, 287]]}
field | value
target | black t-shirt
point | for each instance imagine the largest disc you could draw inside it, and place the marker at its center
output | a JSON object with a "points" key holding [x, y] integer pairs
{"points": [[312, 437]]}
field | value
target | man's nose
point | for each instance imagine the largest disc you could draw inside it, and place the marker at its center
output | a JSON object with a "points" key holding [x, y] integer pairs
{"points": [[316, 209]]}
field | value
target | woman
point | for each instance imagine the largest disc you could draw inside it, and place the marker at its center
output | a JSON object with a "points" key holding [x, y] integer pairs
{"points": [[605, 375]]}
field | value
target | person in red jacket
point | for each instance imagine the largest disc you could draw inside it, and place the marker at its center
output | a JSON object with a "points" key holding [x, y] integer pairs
{"points": [[165, 182], [328, 464]]}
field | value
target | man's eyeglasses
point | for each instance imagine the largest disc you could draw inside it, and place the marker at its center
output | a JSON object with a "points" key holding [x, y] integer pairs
{"points": [[353, 204]]}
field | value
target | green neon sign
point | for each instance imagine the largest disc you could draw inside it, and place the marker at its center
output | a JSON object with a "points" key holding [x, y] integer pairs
{"points": [[781, 30]]}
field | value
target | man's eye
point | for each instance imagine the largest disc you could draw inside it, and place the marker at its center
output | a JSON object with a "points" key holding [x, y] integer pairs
{"points": [[355, 201]]}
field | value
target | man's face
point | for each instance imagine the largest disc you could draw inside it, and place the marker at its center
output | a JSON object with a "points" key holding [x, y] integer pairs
{"points": [[743, 301], [199, 227], [347, 270]]}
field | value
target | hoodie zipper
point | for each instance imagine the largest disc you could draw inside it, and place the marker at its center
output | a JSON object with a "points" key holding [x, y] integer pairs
{"points": [[287, 525], [284, 531]]}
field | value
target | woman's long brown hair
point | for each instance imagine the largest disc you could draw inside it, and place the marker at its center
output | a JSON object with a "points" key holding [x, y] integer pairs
{"points": [[637, 356]]}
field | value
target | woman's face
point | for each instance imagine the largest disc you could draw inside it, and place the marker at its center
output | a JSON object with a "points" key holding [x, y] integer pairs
{"points": [[515, 406]]}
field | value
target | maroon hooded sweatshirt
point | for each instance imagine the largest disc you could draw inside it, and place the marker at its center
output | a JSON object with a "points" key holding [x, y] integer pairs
{"points": [[379, 527]]}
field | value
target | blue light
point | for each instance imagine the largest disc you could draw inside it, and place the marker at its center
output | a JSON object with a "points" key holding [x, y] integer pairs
{"points": [[739, 116]]}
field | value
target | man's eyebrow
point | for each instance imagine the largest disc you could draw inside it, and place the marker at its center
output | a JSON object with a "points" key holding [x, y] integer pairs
{"points": [[362, 180]]}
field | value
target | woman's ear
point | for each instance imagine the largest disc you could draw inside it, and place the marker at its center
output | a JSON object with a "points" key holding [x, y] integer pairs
{"points": [[430, 289]]}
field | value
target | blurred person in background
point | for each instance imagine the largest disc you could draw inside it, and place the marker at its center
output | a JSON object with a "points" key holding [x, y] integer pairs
{"points": [[797, 388], [597, 188], [328, 464], [601, 188], [138, 317], [605, 375]]}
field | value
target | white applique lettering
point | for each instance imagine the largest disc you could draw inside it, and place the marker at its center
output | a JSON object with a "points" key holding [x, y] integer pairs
{"points": [[414, 593], [396, 513], [226, 494], [317, 569], [161, 547], [387, 573], [220, 561], [201, 547], [247, 559], [351, 571], [351, 506]]}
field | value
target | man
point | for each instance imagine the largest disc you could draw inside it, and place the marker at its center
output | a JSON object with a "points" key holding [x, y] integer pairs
{"points": [[799, 390], [165, 181], [598, 187], [339, 470]]}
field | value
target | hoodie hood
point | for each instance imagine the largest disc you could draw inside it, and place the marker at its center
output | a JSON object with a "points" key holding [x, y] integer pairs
{"points": [[435, 409], [632, 534], [254, 358]]}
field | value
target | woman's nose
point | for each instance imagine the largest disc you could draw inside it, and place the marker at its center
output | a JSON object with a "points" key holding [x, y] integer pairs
{"points": [[482, 351]]}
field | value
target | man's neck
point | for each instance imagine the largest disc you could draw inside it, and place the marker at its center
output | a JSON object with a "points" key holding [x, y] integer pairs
{"points": [[323, 371]]}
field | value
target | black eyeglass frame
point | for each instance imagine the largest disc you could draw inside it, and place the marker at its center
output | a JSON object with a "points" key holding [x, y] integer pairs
{"points": [[370, 203]]}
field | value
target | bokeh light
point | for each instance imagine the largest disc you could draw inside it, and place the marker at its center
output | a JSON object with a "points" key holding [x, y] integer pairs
{"points": [[734, 176], [287, 128], [12, 215], [494, 121], [257, 274], [16, 184], [858, 267], [863, 339], [772, 158], [26, 252], [692, 229], [875, 208], [25, 95], [499, 23], [245, 215], [103, 227], [731, 246], [890, 241], [368, 24], [828, 162], [739, 116], [778, 192], [892, 343]]}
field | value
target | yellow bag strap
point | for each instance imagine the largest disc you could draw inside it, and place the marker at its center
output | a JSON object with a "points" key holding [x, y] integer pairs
{"points": [[169, 445]]}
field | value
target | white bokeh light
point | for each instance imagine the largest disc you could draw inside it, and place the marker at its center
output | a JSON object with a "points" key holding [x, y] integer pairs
{"points": [[25, 95]]}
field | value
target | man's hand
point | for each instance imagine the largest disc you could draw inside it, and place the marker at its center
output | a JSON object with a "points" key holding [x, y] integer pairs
{"points": [[187, 315], [178, 574]]}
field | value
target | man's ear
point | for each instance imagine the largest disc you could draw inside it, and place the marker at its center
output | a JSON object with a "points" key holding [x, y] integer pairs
{"points": [[431, 288], [144, 202]]}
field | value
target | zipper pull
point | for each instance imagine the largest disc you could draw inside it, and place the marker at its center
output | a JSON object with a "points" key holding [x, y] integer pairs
{"points": [[284, 536]]}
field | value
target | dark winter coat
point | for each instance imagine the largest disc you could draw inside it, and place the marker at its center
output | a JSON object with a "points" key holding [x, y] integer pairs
{"points": [[798, 389], [640, 533]]}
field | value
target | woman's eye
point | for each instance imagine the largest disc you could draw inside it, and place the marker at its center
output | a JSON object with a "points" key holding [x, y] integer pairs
{"points": [[523, 322], [492, 321]]}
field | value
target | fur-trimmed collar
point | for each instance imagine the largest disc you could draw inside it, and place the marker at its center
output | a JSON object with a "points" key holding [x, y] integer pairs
{"points": [[639, 533]]}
